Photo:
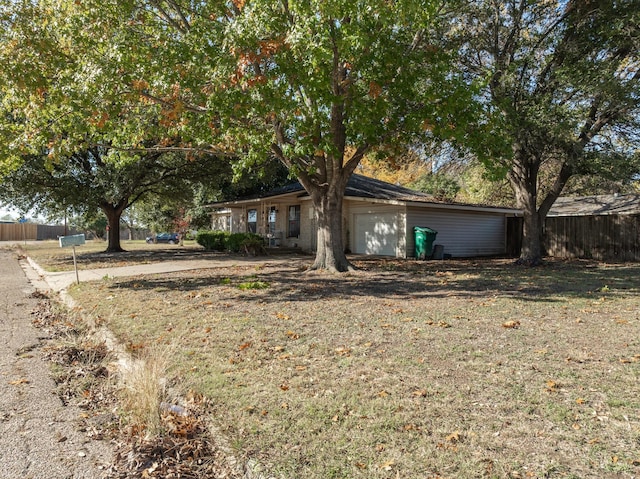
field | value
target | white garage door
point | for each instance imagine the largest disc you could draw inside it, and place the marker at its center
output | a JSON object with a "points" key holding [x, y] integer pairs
{"points": [[376, 233]]}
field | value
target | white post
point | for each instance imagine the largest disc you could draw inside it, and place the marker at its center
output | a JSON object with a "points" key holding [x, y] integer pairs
{"points": [[75, 265]]}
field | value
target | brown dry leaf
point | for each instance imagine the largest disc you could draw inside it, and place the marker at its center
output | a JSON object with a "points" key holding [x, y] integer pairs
{"points": [[284, 387], [19, 381], [511, 324], [360, 465], [282, 316], [292, 335], [576, 426], [444, 324], [420, 393], [580, 401], [454, 437], [244, 346], [207, 330], [387, 465], [343, 351], [552, 386], [383, 394]]}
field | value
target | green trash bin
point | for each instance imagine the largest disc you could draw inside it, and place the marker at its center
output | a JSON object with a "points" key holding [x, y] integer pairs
{"points": [[424, 241]]}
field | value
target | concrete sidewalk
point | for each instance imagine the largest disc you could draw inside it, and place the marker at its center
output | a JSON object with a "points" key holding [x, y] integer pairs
{"points": [[60, 281]]}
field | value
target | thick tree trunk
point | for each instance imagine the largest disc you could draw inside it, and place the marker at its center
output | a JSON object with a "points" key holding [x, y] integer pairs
{"points": [[330, 254], [524, 181], [113, 234]]}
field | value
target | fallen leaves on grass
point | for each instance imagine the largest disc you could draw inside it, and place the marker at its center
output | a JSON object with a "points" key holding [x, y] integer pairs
{"points": [[551, 386], [511, 324]]}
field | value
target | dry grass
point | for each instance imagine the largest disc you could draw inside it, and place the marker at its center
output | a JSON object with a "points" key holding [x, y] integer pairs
{"points": [[144, 388], [455, 369]]}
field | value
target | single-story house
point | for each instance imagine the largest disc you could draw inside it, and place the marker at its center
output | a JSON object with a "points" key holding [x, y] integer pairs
{"points": [[378, 219], [603, 227]]}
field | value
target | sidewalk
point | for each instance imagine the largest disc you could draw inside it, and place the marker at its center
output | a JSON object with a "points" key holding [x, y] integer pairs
{"points": [[60, 281]]}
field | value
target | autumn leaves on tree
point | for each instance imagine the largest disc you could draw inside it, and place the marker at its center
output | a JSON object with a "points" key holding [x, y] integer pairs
{"points": [[319, 85]]}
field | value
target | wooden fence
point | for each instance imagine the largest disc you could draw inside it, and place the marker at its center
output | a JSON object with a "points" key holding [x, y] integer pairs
{"points": [[604, 238], [31, 231], [18, 231]]}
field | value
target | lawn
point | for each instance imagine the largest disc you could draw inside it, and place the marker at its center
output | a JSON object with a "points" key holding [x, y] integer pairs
{"points": [[403, 369], [51, 257]]}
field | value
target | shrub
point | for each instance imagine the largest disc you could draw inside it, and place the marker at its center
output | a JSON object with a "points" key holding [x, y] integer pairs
{"points": [[234, 241], [212, 240]]}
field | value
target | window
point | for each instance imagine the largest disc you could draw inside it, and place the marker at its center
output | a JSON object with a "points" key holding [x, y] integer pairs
{"points": [[272, 220], [294, 222], [252, 221]]}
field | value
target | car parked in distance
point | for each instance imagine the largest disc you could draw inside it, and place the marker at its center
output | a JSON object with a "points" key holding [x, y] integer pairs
{"points": [[170, 238]]}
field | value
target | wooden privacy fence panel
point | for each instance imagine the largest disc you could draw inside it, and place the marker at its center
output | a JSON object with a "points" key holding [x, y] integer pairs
{"points": [[606, 237], [18, 231]]}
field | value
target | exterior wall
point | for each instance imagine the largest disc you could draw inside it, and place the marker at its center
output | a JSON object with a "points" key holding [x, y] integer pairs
{"points": [[462, 233]]}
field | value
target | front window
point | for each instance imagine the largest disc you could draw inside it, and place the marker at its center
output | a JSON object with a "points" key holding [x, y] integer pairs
{"points": [[272, 220], [294, 222], [252, 221]]}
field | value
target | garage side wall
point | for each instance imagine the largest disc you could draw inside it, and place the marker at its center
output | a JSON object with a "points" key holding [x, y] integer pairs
{"points": [[462, 233]]}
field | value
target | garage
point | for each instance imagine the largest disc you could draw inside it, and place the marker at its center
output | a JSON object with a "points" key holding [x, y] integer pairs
{"points": [[376, 233]]}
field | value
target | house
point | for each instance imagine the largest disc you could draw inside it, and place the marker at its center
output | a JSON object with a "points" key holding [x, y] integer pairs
{"points": [[378, 219], [603, 227]]}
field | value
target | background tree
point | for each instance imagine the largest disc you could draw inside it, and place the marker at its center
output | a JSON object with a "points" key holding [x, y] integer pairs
{"points": [[93, 180], [561, 96]]}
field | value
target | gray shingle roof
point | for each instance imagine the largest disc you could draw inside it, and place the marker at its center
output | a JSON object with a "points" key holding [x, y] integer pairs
{"points": [[596, 205], [361, 187]]}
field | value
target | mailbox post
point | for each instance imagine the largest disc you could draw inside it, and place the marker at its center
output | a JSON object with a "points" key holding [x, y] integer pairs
{"points": [[73, 241]]}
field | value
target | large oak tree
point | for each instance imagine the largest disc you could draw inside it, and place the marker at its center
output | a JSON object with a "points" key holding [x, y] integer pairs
{"points": [[562, 94], [316, 84]]}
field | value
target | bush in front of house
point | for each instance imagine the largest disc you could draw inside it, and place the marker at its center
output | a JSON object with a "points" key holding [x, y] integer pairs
{"points": [[212, 240], [233, 242], [236, 242]]}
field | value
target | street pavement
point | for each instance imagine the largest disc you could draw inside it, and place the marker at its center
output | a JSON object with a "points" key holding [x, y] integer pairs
{"points": [[39, 437]]}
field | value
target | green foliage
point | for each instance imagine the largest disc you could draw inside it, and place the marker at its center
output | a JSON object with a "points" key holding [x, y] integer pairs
{"points": [[253, 285], [236, 241], [440, 185], [232, 242], [213, 240]]}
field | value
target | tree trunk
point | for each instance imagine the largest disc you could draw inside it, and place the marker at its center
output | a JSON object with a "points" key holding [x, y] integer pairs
{"points": [[113, 234], [330, 254], [524, 181]]}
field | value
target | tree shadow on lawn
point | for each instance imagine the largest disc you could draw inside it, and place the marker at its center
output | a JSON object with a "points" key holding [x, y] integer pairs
{"points": [[406, 280]]}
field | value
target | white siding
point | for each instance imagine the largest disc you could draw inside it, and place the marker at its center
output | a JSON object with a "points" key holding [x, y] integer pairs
{"points": [[462, 233]]}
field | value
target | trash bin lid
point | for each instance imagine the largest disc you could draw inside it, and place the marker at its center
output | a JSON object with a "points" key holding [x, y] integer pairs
{"points": [[424, 229]]}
